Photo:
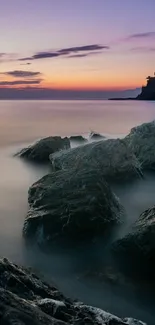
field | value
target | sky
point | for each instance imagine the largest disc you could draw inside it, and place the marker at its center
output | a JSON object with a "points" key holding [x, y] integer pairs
{"points": [[90, 45]]}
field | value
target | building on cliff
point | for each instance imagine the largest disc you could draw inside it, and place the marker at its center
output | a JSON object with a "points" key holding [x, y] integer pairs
{"points": [[148, 91]]}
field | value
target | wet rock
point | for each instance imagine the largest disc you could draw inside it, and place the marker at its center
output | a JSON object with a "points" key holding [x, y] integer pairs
{"points": [[55, 308], [19, 293], [112, 156], [39, 152], [37, 303], [141, 140], [75, 204], [78, 139], [138, 246], [100, 317]]}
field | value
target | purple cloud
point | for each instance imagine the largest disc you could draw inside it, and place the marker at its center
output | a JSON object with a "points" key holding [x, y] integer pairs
{"points": [[20, 82], [77, 56], [22, 74], [67, 52], [44, 55], [85, 48], [83, 55], [139, 36]]}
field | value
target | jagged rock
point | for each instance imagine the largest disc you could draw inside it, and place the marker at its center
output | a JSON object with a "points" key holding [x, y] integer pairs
{"points": [[75, 204], [112, 156], [141, 140], [39, 152], [78, 139], [138, 246], [26, 300], [96, 136]]}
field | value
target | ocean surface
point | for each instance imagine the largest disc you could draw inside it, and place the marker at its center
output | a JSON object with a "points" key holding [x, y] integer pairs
{"points": [[21, 123]]}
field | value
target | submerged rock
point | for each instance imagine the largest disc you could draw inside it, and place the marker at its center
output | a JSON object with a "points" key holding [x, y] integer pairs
{"points": [[141, 140], [78, 139], [40, 151], [96, 136], [26, 300], [138, 246], [75, 204], [112, 156]]}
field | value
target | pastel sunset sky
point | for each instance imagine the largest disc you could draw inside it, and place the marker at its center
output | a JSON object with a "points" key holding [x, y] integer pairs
{"points": [[76, 44]]}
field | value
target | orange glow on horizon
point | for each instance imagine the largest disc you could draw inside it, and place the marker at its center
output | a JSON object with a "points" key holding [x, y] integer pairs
{"points": [[72, 88], [90, 85], [96, 83]]}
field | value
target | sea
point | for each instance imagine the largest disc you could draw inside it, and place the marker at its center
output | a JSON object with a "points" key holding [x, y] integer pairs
{"points": [[22, 123]]}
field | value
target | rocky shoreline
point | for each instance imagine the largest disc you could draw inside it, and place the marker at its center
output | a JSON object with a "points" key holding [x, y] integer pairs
{"points": [[74, 203], [26, 300]]}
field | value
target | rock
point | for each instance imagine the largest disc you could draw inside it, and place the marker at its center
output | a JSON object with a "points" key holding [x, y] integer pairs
{"points": [[148, 91], [75, 204], [99, 316], [39, 152], [96, 136], [112, 156], [26, 300], [141, 140], [78, 139], [138, 246], [20, 294], [53, 307]]}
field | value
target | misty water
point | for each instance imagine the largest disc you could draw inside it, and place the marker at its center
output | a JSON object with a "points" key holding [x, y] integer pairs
{"points": [[21, 123]]}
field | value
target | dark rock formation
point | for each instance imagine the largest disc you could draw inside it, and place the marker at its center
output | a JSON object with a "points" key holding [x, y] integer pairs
{"points": [[39, 152], [148, 91], [78, 139], [141, 140], [75, 204], [112, 156], [26, 300], [121, 98], [96, 136], [138, 247]]}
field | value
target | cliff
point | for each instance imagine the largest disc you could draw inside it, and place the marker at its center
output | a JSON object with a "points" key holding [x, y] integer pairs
{"points": [[148, 91]]}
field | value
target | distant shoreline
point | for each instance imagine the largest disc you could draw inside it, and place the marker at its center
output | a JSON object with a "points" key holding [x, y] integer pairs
{"points": [[66, 99], [129, 98], [54, 99]]}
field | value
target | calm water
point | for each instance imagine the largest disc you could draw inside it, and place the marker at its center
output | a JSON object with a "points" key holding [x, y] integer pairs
{"points": [[24, 121]]}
